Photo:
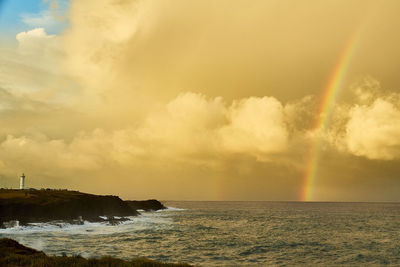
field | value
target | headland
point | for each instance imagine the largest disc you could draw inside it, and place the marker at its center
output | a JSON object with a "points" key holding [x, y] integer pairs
{"points": [[30, 206]]}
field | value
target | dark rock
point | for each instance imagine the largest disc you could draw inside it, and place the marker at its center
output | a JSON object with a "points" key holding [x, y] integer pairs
{"points": [[46, 205], [146, 205], [9, 246]]}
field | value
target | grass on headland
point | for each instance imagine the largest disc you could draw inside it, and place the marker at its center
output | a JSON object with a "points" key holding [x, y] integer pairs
{"points": [[14, 254]]}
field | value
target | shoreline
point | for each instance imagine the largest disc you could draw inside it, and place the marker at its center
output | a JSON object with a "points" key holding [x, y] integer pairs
{"points": [[13, 253]]}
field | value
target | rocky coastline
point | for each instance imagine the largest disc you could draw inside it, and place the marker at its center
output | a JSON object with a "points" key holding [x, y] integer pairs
{"points": [[31, 206]]}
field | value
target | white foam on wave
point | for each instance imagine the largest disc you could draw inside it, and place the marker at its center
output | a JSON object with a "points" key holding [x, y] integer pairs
{"points": [[173, 209], [141, 222], [160, 211], [146, 220]]}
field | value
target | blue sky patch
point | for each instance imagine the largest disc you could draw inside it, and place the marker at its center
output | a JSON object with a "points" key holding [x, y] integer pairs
{"points": [[17, 16]]}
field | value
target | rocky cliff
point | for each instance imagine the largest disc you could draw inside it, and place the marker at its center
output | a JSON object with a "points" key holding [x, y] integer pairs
{"points": [[46, 205]]}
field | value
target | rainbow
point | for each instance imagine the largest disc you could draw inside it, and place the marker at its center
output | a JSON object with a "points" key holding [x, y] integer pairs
{"points": [[326, 106]]}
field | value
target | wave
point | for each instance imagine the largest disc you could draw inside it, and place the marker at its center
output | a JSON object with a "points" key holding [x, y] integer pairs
{"points": [[172, 209], [144, 221], [162, 210], [135, 223]]}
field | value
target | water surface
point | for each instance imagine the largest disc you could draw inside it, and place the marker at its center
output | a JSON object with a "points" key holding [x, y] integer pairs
{"points": [[235, 233]]}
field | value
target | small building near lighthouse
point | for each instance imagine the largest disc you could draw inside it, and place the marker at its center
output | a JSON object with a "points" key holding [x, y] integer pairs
{"points": [[22, 181]]}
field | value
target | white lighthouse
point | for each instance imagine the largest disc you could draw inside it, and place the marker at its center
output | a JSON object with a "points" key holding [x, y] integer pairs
{"points": [[22, 181]]}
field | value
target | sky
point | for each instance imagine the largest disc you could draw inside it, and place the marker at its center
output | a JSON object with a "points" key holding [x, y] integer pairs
{"points": [[202, 100]]}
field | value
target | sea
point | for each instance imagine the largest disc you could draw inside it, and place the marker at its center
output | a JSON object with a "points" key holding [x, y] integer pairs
{"points": [[234, 234]]}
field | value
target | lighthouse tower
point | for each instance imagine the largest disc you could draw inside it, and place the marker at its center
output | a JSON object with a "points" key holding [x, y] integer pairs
{"points": [[22, 181]]}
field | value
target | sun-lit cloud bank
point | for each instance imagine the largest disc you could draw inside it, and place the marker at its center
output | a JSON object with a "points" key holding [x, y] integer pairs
{"points": [[373, 129], [173, 100]]}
